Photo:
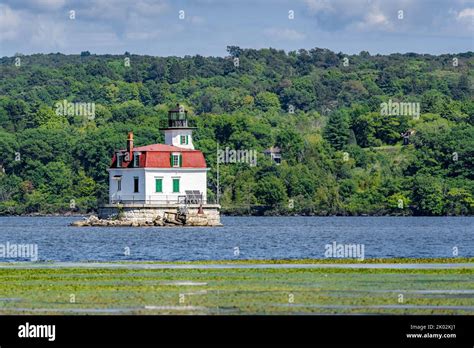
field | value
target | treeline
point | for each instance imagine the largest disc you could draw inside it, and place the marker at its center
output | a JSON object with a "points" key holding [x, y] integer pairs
{"points": [[340, 153]]}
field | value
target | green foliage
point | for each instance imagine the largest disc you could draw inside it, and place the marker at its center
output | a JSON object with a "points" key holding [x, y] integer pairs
{"points": [[428, 195], [337, 130], [340, 153], [271, 191], [266, 101]]}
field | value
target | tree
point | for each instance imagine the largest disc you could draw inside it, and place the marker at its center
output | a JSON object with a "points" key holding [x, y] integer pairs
{"points": [[47, 118], [271, 191], [234, 51], [459, 202], [266, 101], [58, 177], [462, 89], [427, 195], [176, 72], [337, 129], [291, 145], [327, 167]]}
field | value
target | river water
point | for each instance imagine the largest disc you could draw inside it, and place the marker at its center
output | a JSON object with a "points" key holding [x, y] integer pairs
{"points": [[240, 238]]}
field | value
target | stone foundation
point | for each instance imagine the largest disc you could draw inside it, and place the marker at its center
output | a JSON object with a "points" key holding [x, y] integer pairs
{"points": [[142, 214]]}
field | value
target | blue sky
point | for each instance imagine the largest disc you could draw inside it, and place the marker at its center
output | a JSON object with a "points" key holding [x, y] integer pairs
{"points": [[154, 27]]}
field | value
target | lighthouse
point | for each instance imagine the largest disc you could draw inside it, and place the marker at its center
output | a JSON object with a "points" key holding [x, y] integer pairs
{"points": [[160, 174], [178, 133], [159, 184]]}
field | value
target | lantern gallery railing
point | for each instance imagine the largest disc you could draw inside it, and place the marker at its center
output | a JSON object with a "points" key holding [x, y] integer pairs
{"points": [[178, 123]]}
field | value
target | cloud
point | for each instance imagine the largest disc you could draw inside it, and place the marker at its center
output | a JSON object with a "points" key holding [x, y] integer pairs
{"points": [[284, 34], [141, 35], [117, 10], [48, 4], [423, 17], [465, 18], [374, 19], [315, 6], [336, 15], [49, 33], [9, 23], [37, 5], [31, 28], [149, 7], [466, 13], [154, 27], [197, 20]]}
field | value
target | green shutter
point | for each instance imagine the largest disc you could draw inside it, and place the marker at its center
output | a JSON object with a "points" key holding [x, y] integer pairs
{"points": [[180, 160], [175, 185], [171, 160], [158, 185], [187, 139]]}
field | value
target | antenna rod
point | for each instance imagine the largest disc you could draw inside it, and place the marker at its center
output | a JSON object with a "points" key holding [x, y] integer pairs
{"points": [[218, 184]]}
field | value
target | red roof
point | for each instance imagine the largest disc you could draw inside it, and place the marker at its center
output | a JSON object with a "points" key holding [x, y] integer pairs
{"points": [[158, 156]]}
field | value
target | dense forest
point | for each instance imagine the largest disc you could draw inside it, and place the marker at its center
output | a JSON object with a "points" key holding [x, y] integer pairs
{"points": [[341, 153]]}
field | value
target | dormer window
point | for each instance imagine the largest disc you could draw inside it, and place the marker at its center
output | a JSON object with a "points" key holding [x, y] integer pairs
{"points": [[136, 159], [119, 160], [176, 160]]}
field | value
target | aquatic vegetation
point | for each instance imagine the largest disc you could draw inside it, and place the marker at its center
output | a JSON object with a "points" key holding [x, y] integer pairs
{"points": [[236, 291]]}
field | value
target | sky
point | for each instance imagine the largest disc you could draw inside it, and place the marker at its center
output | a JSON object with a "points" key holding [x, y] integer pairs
{"points": [[207, 27]]}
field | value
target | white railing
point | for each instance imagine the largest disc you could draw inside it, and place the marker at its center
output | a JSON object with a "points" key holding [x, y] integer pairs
{"points": [[152, 199]]}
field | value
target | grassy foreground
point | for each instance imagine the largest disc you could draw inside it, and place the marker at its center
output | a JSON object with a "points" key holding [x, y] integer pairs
{"points": [[324, 261], [236, 291]]}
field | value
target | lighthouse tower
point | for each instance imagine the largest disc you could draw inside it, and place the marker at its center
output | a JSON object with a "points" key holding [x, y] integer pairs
{"points": [[178, 133], [161, 179]]}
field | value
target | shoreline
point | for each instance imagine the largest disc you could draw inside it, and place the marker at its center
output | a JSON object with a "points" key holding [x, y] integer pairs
{"points": [[235, 215], [249, 262]]}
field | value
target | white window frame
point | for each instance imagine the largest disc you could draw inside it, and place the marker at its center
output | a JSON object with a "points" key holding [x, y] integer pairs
{"points": [[119, 160], [173, 157], [136, 159]]}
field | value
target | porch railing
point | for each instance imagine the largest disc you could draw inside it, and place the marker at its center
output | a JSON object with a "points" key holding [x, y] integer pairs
{"points": [[153, 199]]}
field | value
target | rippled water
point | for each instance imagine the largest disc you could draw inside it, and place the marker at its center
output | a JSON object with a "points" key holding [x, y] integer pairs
{"points": [[242, 238]]}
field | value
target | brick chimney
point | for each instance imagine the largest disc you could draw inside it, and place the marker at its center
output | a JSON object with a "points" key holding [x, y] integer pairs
{"points": [[130, 143]]}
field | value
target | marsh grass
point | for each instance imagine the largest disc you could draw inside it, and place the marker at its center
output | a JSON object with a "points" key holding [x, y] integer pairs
{"points": [[234, 291]]}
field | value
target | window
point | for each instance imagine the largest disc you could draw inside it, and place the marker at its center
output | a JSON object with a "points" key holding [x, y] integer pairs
{"points": [[118, 178], [135, 184], [184, 139], [175, 185], [136, 159], [119, 159], [158, 185], [176, 160]]}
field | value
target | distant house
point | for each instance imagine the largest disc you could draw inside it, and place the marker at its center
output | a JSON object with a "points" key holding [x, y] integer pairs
{"points": [[406, 136], [160, 173], [274, 153]]}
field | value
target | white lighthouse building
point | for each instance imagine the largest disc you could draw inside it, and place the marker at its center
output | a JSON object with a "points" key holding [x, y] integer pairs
{"points": [[160, 174]]}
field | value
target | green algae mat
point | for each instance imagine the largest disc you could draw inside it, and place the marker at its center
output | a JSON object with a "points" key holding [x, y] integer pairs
{"points": [[236, 291]]}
